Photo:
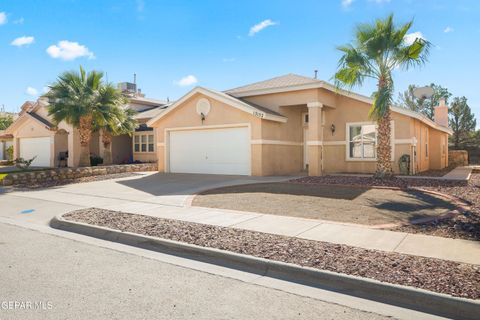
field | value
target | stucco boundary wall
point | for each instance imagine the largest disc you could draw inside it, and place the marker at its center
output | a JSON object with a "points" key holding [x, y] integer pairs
{"points": [[61, 174], [458, 158]]}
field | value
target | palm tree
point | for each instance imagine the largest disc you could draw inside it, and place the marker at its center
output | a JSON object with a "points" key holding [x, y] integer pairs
{"points": [[83, 101], [377, 50], [124, 124]]}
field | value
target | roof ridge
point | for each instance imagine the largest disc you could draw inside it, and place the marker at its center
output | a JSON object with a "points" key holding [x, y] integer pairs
{"points": [[310, 80]]}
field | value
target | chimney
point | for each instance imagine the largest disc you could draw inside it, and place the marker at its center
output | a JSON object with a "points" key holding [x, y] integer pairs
{"points": [[441, 113], [315, 74]]}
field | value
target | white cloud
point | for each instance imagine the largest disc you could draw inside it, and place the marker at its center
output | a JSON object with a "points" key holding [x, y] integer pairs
{"points": [[3, 18], [411, 37], [260, 26], [19, 21], [448, 29], [67, 50], [186, 81], [31, 91], [45, 89], [23, 41], [347, 3]]}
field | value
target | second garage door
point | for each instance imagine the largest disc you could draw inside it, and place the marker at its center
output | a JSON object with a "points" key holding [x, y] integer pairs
{"points": [[213, 151], [36, 147]]}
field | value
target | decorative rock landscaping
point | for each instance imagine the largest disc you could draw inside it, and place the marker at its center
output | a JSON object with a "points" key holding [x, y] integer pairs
{"points": [[456, 279], [56, 176]]}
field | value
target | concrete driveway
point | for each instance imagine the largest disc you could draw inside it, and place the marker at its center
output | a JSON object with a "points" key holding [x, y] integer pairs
{"points": [[143, 192]]}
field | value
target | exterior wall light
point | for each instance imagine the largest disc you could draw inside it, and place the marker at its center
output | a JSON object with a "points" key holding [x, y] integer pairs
{"points": [[332, 128]]}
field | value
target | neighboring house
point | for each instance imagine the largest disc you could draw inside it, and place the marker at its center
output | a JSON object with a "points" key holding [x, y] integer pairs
{"points": [[34, 135], [286, 125]]}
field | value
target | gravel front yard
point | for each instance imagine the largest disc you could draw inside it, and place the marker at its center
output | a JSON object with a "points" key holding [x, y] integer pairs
{"points": [[360, 205], [464, 226], [442, 276]]}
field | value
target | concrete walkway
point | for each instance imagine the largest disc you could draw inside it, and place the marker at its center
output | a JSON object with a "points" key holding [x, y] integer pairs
{"points": [[459, 173], [40, 206]]}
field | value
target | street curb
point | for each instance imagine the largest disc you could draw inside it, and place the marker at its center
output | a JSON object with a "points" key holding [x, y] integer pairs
{"points": [[402, 296]]}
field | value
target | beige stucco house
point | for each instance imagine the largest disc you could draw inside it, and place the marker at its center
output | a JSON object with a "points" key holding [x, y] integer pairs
{"points": [[34, 135], [287, 125]]}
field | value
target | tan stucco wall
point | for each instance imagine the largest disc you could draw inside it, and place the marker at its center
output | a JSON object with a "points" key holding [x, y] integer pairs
{"points": [[439, 149], [60, 145], [421, 133], [121, 149]]}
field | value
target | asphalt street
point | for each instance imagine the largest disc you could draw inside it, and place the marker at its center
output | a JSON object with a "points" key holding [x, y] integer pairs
{"points": [[61, 278]]}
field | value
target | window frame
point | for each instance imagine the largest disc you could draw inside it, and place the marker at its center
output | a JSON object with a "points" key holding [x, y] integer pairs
{"points": [[142, 140], [348, 140]]}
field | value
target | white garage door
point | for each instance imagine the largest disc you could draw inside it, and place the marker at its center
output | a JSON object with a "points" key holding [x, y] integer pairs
{"points": [[39, 147], [215, 151]]}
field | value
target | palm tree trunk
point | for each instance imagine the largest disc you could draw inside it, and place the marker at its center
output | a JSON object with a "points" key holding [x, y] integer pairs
{"points": [[384, 147], [85, 131], [107, 145]]}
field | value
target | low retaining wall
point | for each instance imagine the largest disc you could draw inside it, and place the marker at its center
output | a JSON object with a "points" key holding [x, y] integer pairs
{"points": [[60, 174], [457, 158]]}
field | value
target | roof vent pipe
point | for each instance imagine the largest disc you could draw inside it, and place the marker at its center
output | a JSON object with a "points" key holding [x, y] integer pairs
{"points": [[315, 72]]}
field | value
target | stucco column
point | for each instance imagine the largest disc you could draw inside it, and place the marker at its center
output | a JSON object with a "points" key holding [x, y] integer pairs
{"points": [[71, 148], [314, 138], [16, 148]]}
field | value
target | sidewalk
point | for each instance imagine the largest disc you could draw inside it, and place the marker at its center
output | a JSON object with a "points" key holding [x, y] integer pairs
{"points": [[415, 244]]}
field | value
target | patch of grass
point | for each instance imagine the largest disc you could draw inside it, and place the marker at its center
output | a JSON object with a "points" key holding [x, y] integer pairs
{"points": [[2, 176]]}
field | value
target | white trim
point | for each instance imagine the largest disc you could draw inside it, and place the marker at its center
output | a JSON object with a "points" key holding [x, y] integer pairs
{"points": [[314, 143], [315, 104], [166, 152], [319, 84], [276, 142], [222, 97], [139, 135], [404, 141], [334, 143], [215, 126]]}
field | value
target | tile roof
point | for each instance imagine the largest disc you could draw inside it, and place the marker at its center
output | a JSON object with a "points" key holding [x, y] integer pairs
{"points": [[150, 113], [287, 80], [6, 136], [42, 120]]}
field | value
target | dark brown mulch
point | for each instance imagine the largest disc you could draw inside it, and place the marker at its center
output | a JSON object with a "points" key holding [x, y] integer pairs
{"points": [[464, 226], [456, 279], [49, 184]]}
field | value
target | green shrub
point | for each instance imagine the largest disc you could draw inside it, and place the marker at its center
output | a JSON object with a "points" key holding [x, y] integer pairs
{"points": [[95, 160]]}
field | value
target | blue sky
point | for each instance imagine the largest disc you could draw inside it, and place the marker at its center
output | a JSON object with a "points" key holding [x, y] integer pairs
{"points": [[174, 45]]}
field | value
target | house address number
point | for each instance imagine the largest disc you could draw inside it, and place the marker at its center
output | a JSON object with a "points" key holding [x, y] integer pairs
{"points": [[258, 114]]}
